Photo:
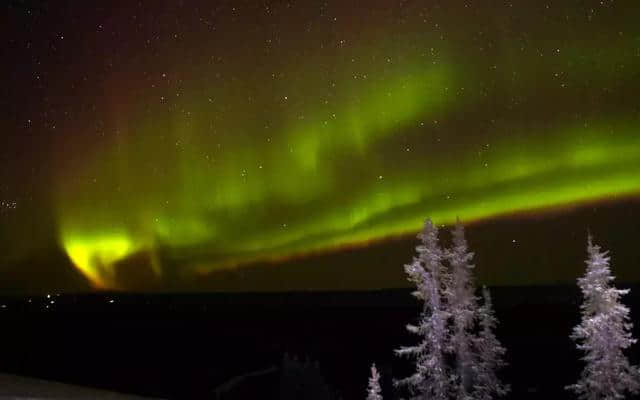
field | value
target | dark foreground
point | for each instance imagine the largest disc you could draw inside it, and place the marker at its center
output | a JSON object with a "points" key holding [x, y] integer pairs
{"points": [[288, 346], [19, 387]]}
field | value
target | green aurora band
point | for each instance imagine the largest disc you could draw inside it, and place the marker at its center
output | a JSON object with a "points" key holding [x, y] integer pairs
{"points": [[230, 172]]}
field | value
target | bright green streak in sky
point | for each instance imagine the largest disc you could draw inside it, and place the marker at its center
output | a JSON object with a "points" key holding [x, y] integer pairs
{"points": [[556, 174], [306, 171], [580, 165], [211, 191]]}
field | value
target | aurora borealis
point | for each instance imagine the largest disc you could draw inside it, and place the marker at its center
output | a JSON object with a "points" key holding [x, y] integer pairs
{"points": [[213, 135]]}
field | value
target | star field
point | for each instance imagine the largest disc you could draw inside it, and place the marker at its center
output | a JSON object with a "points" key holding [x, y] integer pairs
{"points": [[210, 135]]}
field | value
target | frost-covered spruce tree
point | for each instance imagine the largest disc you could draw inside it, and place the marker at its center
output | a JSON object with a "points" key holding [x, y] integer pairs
{"points": [[463, 308], [603, 333], [431, 379], [374, 391], [489, 352]]}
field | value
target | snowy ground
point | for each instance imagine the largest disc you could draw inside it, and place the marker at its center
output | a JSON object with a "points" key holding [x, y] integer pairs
{"points": [[18, 387]]}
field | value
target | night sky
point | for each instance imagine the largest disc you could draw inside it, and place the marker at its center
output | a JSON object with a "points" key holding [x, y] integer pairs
{"points": [[155, 145]]}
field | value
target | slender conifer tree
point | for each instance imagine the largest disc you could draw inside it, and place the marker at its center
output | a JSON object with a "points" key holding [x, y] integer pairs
{"points": [[374, 392], [432, 376], [603, 334]]}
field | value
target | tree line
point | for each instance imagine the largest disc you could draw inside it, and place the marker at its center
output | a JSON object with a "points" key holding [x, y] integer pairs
{"points": [[458, 355]]}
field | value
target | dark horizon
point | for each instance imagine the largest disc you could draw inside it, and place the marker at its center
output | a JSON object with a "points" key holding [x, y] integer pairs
{"points": [[184, 346]]}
